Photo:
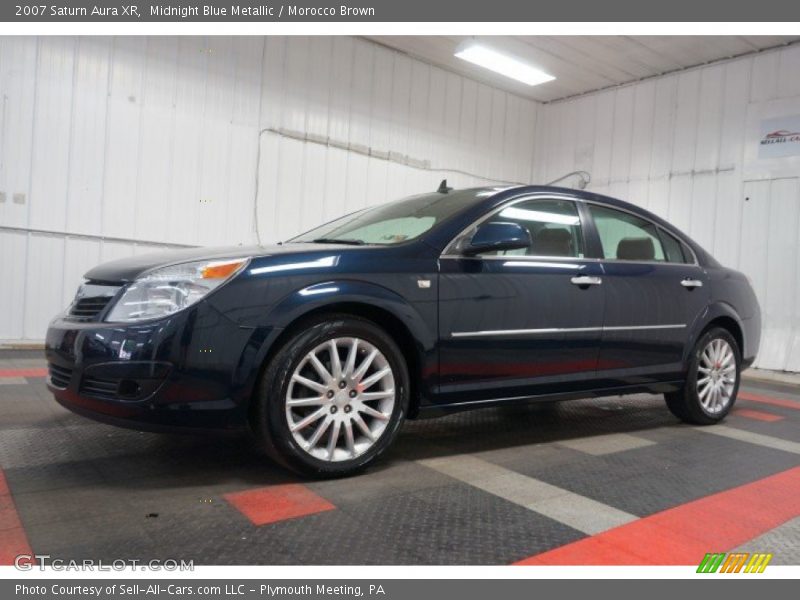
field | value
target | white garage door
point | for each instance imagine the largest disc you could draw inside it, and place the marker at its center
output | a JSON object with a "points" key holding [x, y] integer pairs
{"points": [[770, 234]]}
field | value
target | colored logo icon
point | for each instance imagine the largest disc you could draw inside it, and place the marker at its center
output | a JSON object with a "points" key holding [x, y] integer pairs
{"points": [[735, 562]]}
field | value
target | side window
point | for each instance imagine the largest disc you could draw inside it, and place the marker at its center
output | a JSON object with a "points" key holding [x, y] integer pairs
{"points": [[625, 236], [554, 225], [673, 248]]}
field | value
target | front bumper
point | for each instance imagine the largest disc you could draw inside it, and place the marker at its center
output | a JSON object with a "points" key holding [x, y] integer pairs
{"points": [[181, 372]]}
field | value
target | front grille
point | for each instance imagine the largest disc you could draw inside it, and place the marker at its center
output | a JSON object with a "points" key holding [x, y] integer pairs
{"points": [[88, 308], [60, 376], [91, 300], [102, 388]]}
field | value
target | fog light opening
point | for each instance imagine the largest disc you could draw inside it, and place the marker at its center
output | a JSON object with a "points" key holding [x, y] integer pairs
{"points": [[128, 388]]}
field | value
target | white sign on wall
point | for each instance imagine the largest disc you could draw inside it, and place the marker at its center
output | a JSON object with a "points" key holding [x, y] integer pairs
{"points": [[772, 139], [780, 136]]}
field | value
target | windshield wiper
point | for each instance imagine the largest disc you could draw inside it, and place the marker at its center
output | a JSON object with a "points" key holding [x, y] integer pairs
{"points": [[350, 242]]}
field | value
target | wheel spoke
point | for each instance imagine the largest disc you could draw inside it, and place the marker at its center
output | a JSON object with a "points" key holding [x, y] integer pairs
{"points": [[305, 422], [318, 432], [336, 364], [319, 367], [362, 368], [348, 437], [297, 402], [333, 439], [363, 426], [312, 385], [350, 365], [367, 396], [375, 378], [368, 410]]}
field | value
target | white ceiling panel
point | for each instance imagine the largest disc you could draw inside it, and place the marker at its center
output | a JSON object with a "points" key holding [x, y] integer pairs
{"points": [[583, 64]]}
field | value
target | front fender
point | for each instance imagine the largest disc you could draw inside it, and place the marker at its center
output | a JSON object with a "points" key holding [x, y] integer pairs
{"points": [[340, 292], [336, 292]]}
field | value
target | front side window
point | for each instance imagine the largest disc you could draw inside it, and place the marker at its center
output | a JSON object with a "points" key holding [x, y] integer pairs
{"points": [[554, 226], [625, 236]]}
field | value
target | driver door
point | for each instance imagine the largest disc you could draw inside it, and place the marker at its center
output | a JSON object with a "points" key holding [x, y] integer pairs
{"points": [[521, 322]]}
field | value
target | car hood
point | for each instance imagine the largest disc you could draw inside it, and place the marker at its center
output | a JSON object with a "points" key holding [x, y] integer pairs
{"points": [[128, 269]]}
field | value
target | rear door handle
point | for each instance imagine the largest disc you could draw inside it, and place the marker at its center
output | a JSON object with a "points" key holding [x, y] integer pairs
{"points": [[586, 280], [691, 283]]}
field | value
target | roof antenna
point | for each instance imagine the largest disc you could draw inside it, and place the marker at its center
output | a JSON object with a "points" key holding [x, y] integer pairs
{"points": [[443, 189]]}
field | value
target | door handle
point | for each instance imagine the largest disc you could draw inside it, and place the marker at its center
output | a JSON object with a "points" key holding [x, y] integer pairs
{"points": [[586, 280], [691, 283]]}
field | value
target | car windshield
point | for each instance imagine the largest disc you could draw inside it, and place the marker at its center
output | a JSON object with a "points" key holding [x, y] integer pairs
{"points": [[395, 222]]}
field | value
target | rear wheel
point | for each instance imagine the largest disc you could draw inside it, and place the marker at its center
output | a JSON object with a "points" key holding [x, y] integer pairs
{"points": [[333, 398], [712, 381]]}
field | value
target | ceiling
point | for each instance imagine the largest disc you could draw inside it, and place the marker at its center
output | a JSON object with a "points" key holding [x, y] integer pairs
{"points": [[583, 64]]}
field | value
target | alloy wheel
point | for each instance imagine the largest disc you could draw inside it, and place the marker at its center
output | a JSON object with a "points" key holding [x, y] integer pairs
{"points": [[340, 399], [716, 376]]}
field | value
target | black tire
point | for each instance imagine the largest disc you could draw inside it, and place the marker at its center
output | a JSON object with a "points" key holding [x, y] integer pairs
{"points": [[685, 403], [269, 424]]}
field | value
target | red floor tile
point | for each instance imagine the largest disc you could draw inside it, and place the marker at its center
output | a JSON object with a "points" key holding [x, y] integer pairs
{"points": [[782, 402], [757, 415], [23, 372], [13, 540], [682, 535], [278, 503]]}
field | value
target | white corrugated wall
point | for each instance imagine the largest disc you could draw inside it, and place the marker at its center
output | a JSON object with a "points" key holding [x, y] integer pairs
{"points": [[681, 146], [155, 140]]}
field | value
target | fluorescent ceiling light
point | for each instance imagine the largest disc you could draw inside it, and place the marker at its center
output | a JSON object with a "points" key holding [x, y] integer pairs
{"points": [[505, 65], [538, 216]]}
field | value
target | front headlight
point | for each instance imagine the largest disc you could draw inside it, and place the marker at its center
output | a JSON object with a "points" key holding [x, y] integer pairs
{"points": [[166, 290]]}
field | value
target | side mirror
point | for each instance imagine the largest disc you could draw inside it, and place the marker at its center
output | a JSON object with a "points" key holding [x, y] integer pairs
{"points": [[498, 236]]}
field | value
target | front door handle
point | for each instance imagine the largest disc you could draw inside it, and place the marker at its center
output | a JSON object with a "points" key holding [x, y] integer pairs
{"points": [[691, 283], [586, 280]]}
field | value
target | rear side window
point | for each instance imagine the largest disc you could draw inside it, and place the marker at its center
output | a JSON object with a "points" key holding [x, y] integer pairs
{"points": [[625, 236], [674, 250]]}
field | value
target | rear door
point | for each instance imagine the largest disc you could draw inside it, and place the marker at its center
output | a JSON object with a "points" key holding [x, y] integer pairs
{"points": [[654, 292]]}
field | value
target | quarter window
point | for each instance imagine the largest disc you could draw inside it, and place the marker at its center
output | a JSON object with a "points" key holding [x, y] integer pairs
{"points": [[673, 249], [554, 225], [625, 236]]}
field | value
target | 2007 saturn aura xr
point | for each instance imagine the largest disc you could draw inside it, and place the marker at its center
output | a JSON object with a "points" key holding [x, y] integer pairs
{"points": [[324, 344]]}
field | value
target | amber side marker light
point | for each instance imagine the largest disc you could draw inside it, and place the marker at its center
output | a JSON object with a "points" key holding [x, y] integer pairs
{"points": [[221, 270]]}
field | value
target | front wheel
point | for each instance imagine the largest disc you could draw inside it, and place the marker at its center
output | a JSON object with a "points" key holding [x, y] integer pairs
{"points": [[333, 398], [712, 380]]}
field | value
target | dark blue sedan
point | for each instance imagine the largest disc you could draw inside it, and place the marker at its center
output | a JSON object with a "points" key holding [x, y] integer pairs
{"points": [[323, 345]]}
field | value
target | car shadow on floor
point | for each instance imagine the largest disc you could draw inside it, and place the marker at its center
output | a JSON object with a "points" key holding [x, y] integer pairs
{"points": [[125, 458]]}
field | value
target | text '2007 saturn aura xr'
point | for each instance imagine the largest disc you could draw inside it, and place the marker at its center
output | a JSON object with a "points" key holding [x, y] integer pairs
{"points": [[323, 345]]}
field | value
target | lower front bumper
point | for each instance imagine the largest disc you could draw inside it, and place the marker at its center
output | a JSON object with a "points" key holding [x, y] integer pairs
{"points": [[146, 416], [159, 376]]}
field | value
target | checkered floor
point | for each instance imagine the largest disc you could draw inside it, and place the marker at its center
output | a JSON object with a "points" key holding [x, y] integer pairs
{"points": [[612, 480]]}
